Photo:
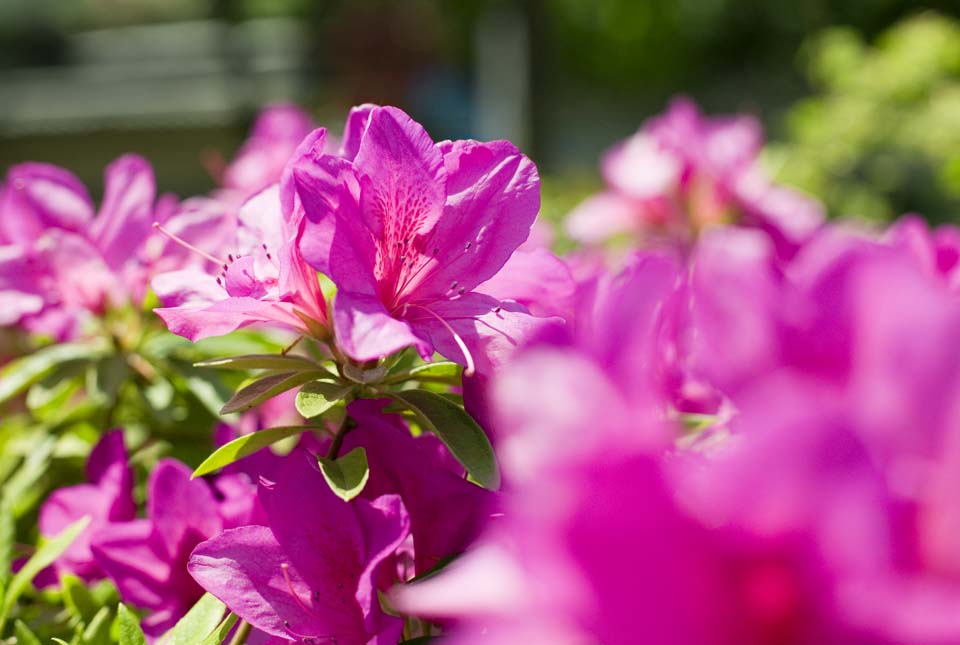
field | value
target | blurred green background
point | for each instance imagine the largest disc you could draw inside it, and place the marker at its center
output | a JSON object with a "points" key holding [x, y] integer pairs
{"points": [[861, 98]]}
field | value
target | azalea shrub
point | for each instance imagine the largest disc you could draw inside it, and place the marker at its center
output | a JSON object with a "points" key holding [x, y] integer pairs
{"points": [[352, 396]]}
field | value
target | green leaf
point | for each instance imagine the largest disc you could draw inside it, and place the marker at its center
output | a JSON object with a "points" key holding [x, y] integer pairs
{"points": [[42, 558], [20, 374], [246, 445], [197, 624], [77, 598], [23, 634], [317, 397], [441, 370], [268, 387], [219, 635], [457, 430], [130, 632], [346, 475], [17, 489], [7, 538], [97, 631], [286, 363], [441, 564]]}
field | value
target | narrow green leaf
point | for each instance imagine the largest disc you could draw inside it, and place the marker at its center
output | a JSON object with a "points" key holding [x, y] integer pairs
{"points": [[20, 374], [441, 370], [197, 624], [219, 635], [42, 558], [23, 634], [59, 641], [457, 430], [16, 490], [346, 475], [287, 363], [440, 565], [317, 397], [246, 445], [7, 539], [77, 598], [97, 632], [130, 632], [268, 387]]}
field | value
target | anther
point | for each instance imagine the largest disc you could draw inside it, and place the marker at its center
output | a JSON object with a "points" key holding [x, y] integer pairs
{"points": [[497, 310], [230, 257], [461, 290], [436, 250], [469, 244]]}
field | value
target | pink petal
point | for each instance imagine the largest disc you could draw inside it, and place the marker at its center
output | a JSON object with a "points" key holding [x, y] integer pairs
{"points": [[126, 215], [493, 196]]}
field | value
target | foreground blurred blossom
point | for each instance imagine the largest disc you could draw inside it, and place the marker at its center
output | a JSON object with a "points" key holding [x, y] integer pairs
{"points": [[682, 172], [311, 575], [407, 229], [147, 558], [106, 499], [823, 519]]}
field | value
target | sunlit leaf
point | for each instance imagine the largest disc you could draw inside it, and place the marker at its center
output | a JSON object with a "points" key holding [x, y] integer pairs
{"points": [[77, 598], [24, 635], [457, 430], [130, 632], [317, 397], [42, 558], [286, 363], [441, 370], [97, 631], [268, 387], [346, 475], [202, 619], [21, 373], [219, 635], [246, 445]]}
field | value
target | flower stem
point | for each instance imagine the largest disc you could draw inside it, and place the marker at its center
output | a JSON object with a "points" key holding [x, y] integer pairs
{"points": [[240, 636], [345, 427]]}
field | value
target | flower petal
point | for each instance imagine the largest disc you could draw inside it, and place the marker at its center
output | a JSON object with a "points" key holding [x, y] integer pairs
{"points": [[126, 215], [493, 196], [366, 331], [490, 329], [403, 181], [180, 508]]}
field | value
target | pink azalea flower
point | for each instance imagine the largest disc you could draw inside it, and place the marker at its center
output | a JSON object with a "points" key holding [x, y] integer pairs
{"points": [[310, 574], [275, 135], [265, 280], [147, 558], [407, 229], [107, 499], [61, 262], [446, 511], [683, 172]]}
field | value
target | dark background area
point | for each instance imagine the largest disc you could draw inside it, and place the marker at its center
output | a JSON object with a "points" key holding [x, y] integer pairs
{"points": [[82, 81]]}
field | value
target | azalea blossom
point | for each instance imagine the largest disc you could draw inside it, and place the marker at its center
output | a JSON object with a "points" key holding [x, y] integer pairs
{"points": [[61, 263], [446, 511], [147, 558], [683, 172], [264, 280], [311, 574], [408, 228], [107, 499]]}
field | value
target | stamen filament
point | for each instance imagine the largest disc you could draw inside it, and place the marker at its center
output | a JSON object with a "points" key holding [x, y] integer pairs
{"points": [[182, 242], [468, 357]]}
